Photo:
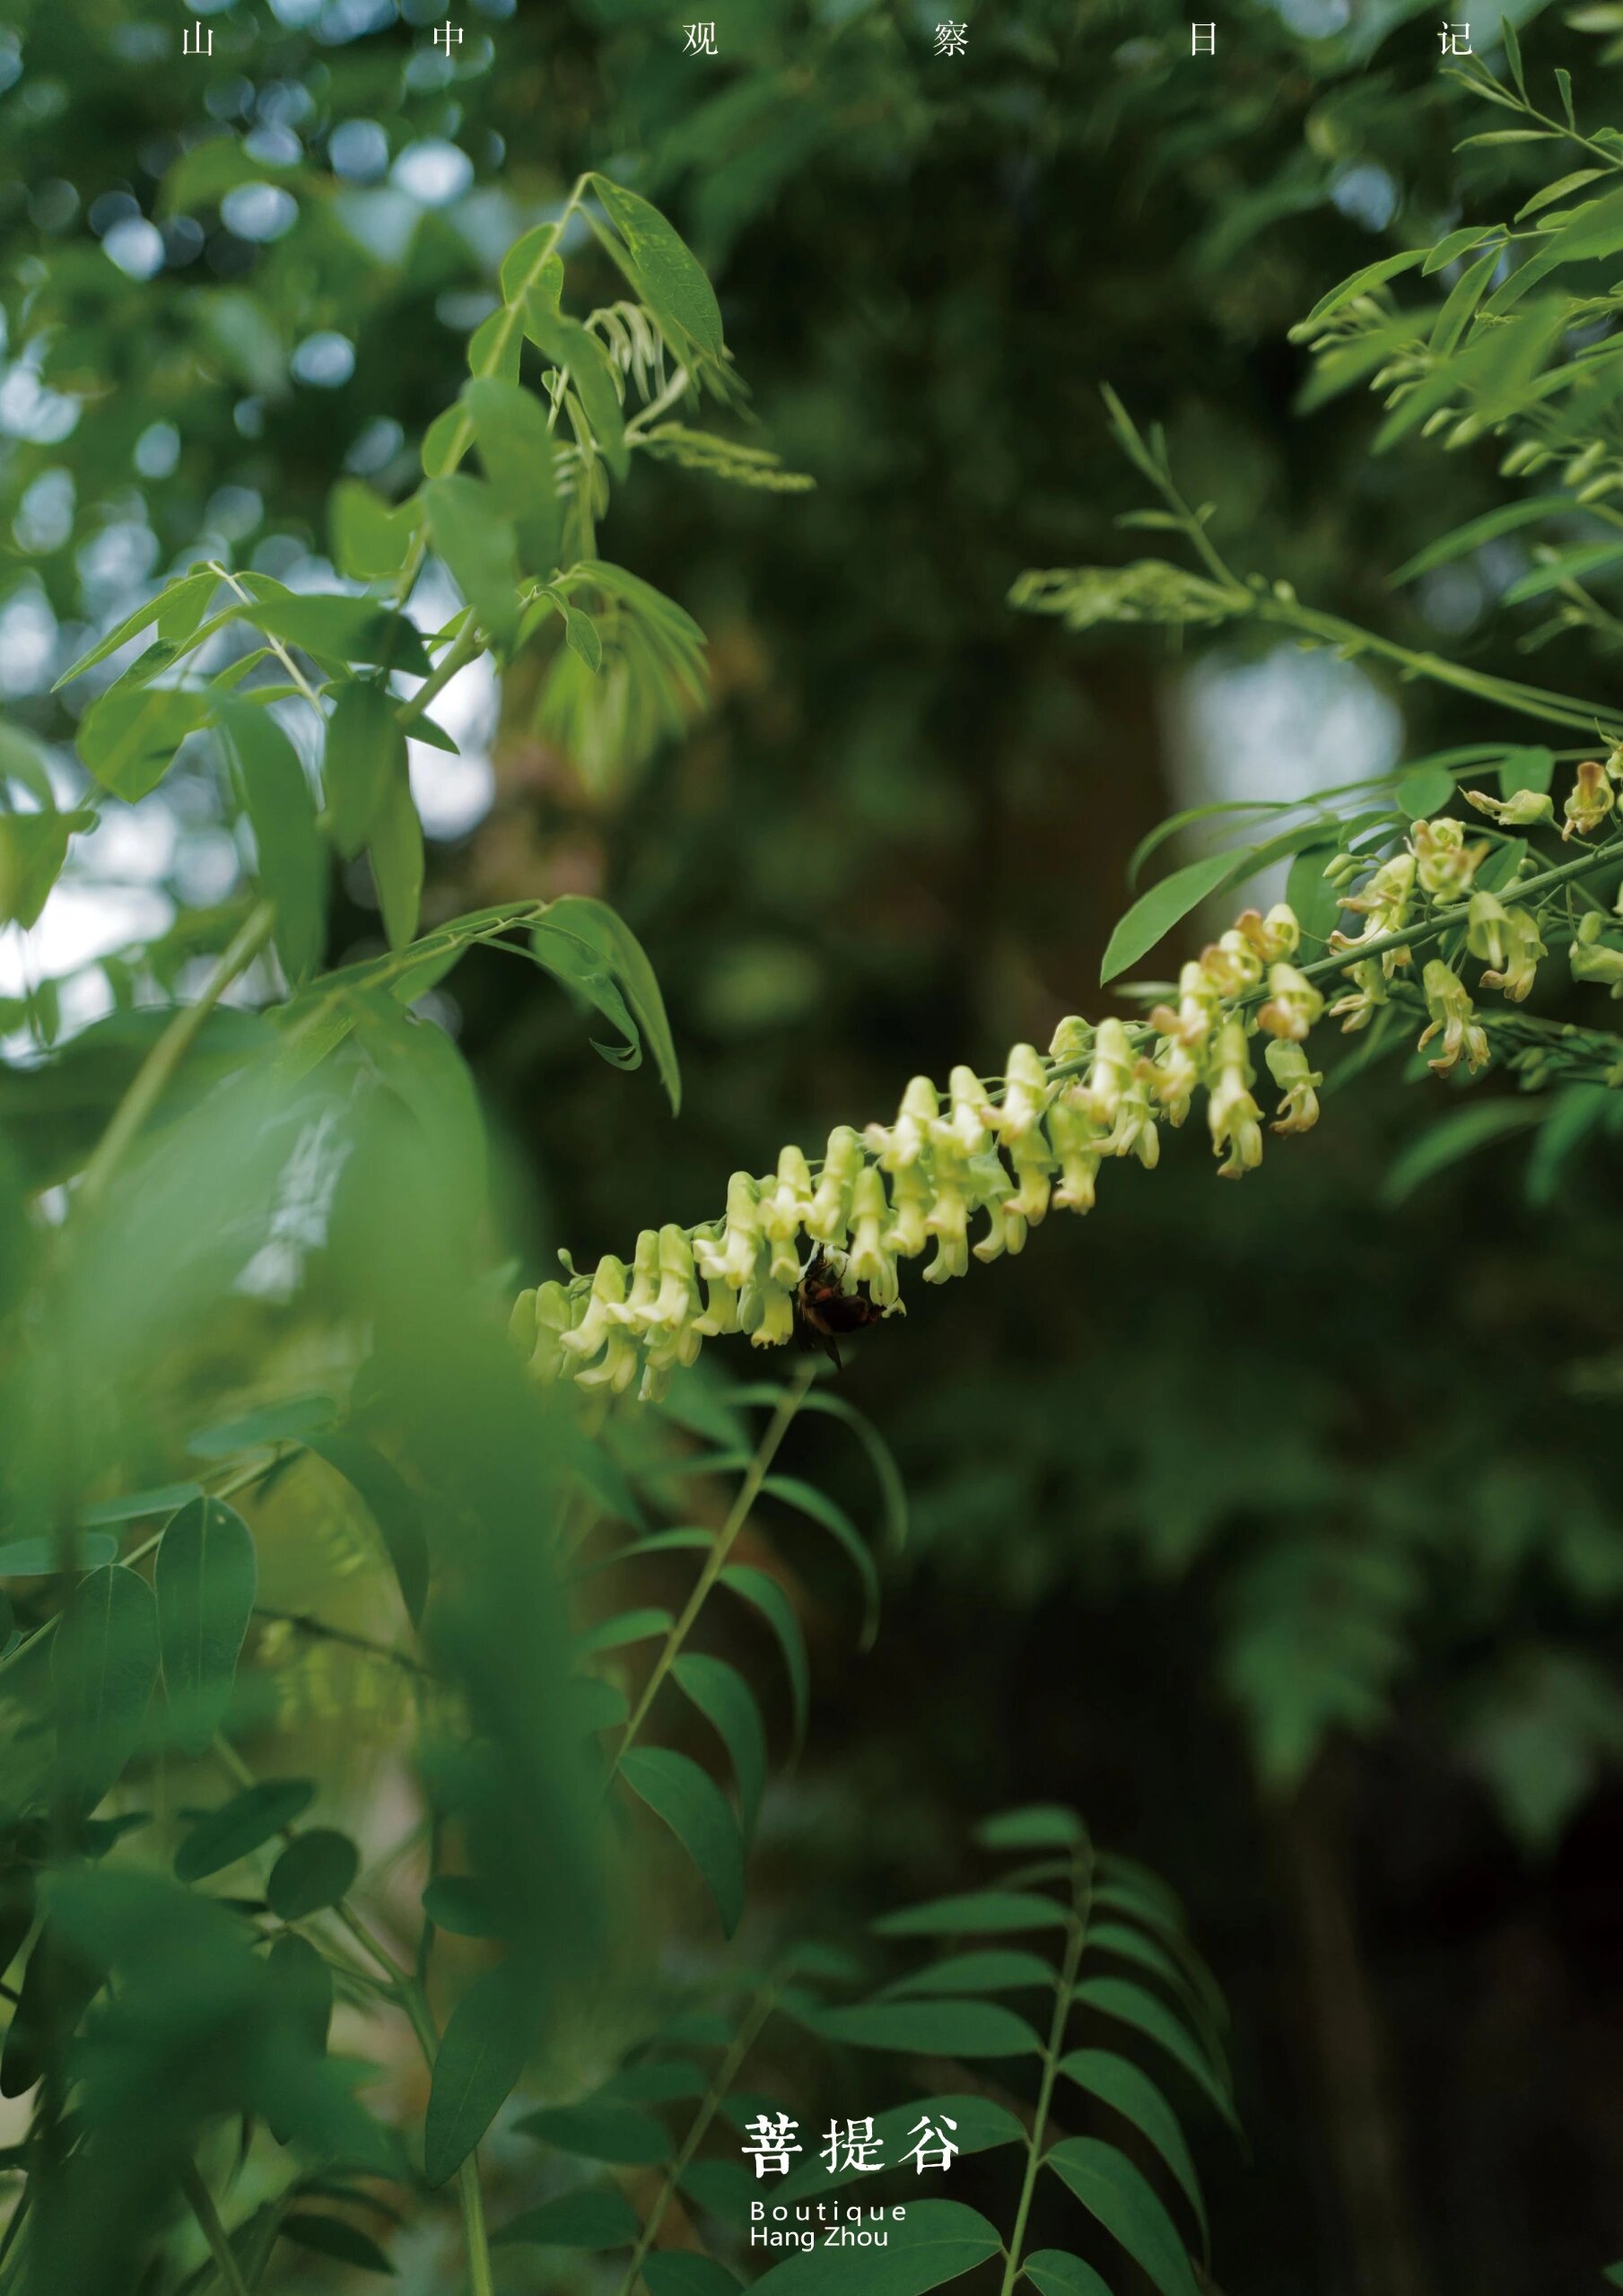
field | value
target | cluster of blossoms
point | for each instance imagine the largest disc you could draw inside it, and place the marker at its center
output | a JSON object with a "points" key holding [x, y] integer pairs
{"points": [[997, 1157], [1003, 1153]]}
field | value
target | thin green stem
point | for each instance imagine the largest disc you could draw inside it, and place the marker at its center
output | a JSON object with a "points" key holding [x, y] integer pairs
{"points": [[320, 1631], [475, 2235], [749, 1490], [1053, 2051], [157, 1072], [214, 2231], [275, 644], [754, 2017], [465, 647]]}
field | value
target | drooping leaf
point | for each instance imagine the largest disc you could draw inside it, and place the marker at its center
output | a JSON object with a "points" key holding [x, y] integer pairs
{"points": [[995, 1969], [393, 1506], [757, 1587], [1111, 2189], [335, 2236], [966, 2028], [694, 1807], [1459, 1134], [666, 275], [726, 1700], [182, 604], [1489, 527], [364, 759], [205, 1579], [291, 856], [313, 1872], [619, 1633], [481, 2056], [33, 847], [1130, 2004], [982, 1912], [105, 1667], [583, 942], [1154, 913], [240, 1826], [395, 847], [1119, 2083], [37, 1558]]}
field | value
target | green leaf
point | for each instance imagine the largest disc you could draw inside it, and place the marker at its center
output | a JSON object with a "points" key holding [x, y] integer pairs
{"points": [[1373, 274], [313, 1872], [1120, 2084], [1457, 243], [442, 441], [994, 1971], [575, 2220], [1311, 894], [598, 2132], [579, 631], [930, 2028], [104, 1664], [1154, 913], [1526, 769], [1423, 793], [240, 1826], [1037, 1825], [371, 541], [364, 758], [1460, 306], [757, 1587], [334, 2236], [1489, 527], [667, 276], [205, 1579], [806, 1499], [461, 1904], [620, 1633], [1130, 2004], [530, 264], [181, 605], [1571, 566], [1112, 2189], [590, 370], [339, 629], [393, 1506], [1454, 1136], [395, 849], [986, 1912], [468, 528], [680, 2272], [303, 1983], [1053, 2271], [129, 737], [291, 1418], [585, 943], [939, 2240], [726, 1700], [1550, 192], [516, 448], [893, 1492], [292, 858], [694, 1807], [482, 2055], [33, 847]]}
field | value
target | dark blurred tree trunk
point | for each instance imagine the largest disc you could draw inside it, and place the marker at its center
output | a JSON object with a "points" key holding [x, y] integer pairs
{"points": [[1343, 2043]]}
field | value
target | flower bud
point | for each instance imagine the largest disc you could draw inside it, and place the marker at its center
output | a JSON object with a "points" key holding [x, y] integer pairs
{"points": [[1515, 970], [1288, 1066], [1134, 1132], [829, 1216], [1235, 1120], [740, 1235], [1177, 1072], [948, 1220], [597, 1322], [1594, 959], [1293, 1006], [872, 1262], [553, 1311], [1072, 1040], [1522, 809], [1589, 801], [1081, 1145], [1111, 1065], [785, 1206], [1025, 1093], [1444, 862], [1485, 924], [1451, 1009], [637, 1310], [1356, 1010]]}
